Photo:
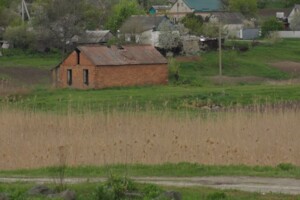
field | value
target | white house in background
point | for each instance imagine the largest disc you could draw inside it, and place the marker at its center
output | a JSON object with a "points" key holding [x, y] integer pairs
{"points": [[232, 22], [295, 10], [143, 29], [200, 7]]}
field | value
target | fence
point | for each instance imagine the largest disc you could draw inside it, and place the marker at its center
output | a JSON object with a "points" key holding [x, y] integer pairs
{"points": [[289, 34]]}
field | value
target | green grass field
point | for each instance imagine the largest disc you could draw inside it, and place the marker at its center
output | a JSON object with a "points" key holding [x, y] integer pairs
{"points": [[87, 191], [156, 97], [18, 58], [163, 170]]}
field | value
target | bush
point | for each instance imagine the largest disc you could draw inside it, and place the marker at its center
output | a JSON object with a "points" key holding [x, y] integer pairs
{"points": [[217, 196], [115, 188], [286, 166], [20, 37], [271, 25]]}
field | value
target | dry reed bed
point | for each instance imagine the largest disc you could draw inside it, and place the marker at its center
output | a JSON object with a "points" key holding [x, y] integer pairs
{"points": [[31, 140]]}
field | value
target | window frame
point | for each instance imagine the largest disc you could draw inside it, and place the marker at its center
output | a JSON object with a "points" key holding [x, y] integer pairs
{"points": [[85, 77], [69, 77]]}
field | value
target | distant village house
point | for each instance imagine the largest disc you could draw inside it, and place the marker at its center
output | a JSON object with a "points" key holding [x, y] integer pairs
{"points": [[144, 29], [199, 7]]}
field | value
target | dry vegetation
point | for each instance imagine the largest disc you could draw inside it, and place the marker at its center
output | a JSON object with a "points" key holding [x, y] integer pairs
{"points": [[31, 140], [7, 88]]}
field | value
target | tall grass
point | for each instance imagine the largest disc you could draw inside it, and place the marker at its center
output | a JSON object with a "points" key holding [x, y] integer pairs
{"points": [[34, 139], [7, 89]]}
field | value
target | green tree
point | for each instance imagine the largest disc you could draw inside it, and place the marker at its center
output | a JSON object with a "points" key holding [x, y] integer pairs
{"points": [[246, 7], [193, 23], [271, 25], [20, 36], [289, 3], [121, 11], [8, 15]]}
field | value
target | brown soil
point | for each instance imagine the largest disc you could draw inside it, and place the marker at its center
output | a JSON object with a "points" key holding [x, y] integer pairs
{"points": [[27, 76], [288, 66]]}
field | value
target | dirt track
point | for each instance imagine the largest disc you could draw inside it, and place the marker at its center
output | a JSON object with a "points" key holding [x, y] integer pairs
{"points": [[249, 184]]}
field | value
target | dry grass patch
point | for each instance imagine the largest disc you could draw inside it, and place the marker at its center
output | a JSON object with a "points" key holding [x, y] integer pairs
{"points": [[32, 140], [288, 66]]}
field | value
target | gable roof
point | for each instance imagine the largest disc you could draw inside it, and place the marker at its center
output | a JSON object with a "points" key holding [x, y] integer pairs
{"points": [[271, 12], [141, 23], [92, 37], [229, 17], [204, 5], [101, 55]]}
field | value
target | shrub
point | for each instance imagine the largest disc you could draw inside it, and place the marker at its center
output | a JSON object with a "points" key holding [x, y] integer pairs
{"points": [[286, 166], [217, 196], [20, 37], [271, 25]]}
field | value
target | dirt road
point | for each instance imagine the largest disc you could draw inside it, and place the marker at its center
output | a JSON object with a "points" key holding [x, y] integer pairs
{"points": [[250, 184]]}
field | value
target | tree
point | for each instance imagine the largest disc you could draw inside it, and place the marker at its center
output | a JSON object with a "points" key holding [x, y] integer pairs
{"points": [[20, 36], [246, 7], [295, 23], [8, 15], [121, 11], [168, 38], [193, 23], [289, 3], [271, 25], [61, 20]]}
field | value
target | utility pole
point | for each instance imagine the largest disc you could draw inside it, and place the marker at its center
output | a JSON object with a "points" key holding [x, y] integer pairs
{"points": [[220, 49], [24, 10]]}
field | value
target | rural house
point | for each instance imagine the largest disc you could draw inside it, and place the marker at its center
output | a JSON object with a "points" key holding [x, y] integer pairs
{"points": [[144, 29], [96, 66], [199, 7]]}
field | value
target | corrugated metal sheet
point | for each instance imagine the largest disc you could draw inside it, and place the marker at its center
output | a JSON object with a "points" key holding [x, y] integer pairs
{"points": [[127, 55]]}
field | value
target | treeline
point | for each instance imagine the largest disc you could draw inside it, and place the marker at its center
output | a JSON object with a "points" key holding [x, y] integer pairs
{"points": [[54, 22]]}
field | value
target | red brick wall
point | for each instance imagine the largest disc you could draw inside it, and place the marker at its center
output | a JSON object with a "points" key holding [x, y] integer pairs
{"points": [[108, 76], [77, 72], [130, 75]]}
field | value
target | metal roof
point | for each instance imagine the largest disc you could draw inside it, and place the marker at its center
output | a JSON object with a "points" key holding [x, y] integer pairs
{"points": [[92, 37], [204, 5], [141, 23], [126, 55], [229, 17]]}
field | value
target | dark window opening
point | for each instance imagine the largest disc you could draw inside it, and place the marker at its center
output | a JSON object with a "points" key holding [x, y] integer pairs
{"points": [[78, 56], [69, 78], [86, 77]]}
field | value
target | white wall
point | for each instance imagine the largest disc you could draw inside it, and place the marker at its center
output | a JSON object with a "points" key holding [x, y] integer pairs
{"points": [[289, 34]]}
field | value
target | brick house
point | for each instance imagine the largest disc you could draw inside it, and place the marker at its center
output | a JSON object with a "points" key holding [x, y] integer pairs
{"points": [[95, 67]]}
